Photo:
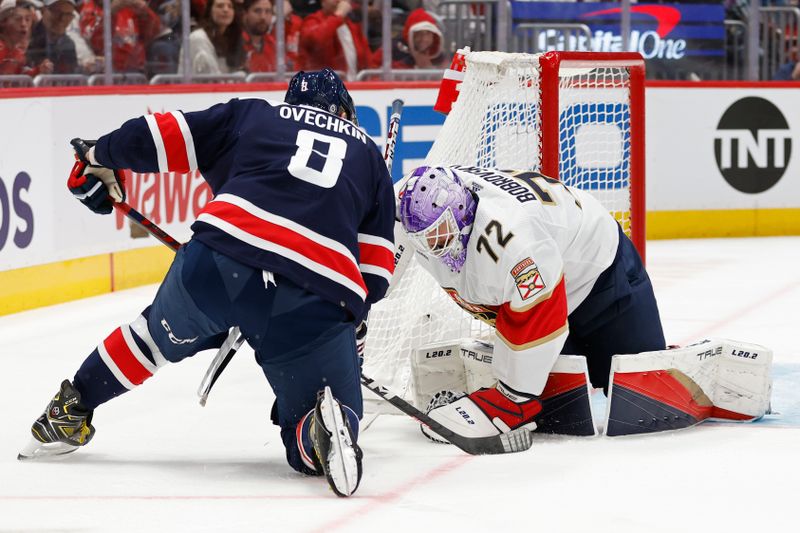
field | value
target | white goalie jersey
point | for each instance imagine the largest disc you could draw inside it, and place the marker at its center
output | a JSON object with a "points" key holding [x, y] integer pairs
{"points": [[535, 251]]}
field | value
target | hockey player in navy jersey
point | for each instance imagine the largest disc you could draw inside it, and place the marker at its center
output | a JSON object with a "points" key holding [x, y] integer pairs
{"points": [[545, 264], [295, 246]]}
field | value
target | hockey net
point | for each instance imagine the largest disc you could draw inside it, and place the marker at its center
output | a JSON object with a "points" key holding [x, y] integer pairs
{"points": [[576, 116]]}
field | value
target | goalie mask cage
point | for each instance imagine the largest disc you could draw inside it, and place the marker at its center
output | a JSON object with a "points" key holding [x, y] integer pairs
{"points": [[575, 116]]}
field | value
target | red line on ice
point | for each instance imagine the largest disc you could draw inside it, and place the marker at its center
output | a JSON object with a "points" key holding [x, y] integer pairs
{"points": [[379, 501], [740, 312]]}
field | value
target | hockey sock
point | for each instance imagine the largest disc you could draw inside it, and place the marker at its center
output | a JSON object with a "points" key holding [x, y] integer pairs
{"points": [[125, 359]]}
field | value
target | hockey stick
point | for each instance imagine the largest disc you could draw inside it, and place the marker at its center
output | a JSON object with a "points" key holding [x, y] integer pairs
{"points": [[517, 440], [81, 148], [391, 134], [234, 339], [147, 225], [222, 359]]}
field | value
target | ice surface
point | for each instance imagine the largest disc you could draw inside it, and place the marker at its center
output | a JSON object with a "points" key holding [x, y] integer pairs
{"points": [[160, 462]]}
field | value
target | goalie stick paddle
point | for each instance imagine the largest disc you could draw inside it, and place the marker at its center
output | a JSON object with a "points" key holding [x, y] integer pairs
{"points": [[223, 357], [517, 440]]}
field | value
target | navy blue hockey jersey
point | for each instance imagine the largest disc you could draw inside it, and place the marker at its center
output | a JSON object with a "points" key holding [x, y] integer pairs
{"points": [[297, 191]]}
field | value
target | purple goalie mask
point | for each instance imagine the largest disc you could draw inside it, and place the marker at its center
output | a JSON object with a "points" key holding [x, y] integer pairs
{"points": [[437, 211]]}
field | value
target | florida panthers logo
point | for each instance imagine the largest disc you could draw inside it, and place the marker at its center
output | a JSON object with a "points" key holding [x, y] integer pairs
{"points": [[484, 313], [527, 278]]}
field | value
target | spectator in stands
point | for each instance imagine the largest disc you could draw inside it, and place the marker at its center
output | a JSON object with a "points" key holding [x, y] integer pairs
{"points": [[134, 26], [374, 27], [164, 52], [16, 22], [292, 28], [88, 61], [259, 41], [421, 45], [328, 38], [303, 8], [90, 22], [788, 72], [258, 20], [216, 46], [49, 39]]}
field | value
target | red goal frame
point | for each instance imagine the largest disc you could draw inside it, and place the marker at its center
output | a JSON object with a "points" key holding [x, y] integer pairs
{"points": [[550, 63]]}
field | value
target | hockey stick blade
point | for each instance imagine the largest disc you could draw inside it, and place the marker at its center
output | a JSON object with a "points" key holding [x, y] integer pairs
{"points": [[221, 360], [517, 440]]}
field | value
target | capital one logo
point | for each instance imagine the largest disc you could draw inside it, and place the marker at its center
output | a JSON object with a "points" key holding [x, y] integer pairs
{"points": [[651, 44], [752, 145]]}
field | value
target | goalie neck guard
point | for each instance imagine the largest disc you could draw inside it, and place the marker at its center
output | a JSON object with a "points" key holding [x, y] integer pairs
{"points": [[437, 211], [322, 89]]}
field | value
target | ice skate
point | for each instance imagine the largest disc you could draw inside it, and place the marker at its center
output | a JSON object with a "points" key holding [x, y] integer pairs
{"points": [[64, 426], [334, 444]]}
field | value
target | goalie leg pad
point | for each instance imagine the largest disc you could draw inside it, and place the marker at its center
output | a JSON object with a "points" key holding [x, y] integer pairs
{"points": [[674, 389], [566, 401]]}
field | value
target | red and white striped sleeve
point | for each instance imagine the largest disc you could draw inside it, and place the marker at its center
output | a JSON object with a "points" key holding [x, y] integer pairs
{"points": [[531, 340], [376, 256], [173, 142]]}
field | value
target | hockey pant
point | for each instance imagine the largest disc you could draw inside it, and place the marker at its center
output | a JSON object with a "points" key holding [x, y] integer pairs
{"points": [[619, 316], [301, 342]]}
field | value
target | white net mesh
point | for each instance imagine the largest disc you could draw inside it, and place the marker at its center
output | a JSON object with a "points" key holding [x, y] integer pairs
{"points": [[496, 122], [595, 130]]}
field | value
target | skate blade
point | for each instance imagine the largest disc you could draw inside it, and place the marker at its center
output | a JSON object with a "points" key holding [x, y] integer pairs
{"points": [[36, 450], [342, 471]]}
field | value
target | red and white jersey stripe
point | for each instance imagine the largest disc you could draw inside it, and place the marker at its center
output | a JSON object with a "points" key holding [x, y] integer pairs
{"points": [[269, 232], [298, 192], [173, 140], [376, 256]]}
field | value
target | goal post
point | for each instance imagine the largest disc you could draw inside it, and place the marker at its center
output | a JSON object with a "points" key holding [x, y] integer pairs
{"points": [[575, 116], [596, 71]]}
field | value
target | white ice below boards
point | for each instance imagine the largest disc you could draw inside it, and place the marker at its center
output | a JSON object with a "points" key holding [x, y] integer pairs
{"points": [[160, 462]]}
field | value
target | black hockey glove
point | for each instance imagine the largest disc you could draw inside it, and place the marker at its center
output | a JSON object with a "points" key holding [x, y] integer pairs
{"points": [[96, 186]]}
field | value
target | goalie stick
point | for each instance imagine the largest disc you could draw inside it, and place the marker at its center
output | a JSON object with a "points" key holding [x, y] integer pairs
{"points": [[222, 359], [517, 440]]}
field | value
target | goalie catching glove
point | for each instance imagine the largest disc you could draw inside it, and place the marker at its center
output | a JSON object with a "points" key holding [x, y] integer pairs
{"points": [[488, 412], [96, 186]]}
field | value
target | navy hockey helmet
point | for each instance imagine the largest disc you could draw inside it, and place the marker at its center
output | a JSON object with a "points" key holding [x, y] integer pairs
{"points": [[322, 89]]}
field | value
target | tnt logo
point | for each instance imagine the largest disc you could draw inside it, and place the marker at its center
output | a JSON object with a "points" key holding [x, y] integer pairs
{"points": [[753, 145]]}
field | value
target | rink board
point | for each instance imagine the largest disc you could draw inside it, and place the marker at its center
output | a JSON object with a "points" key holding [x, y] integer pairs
{"points": [[693, 149]]}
